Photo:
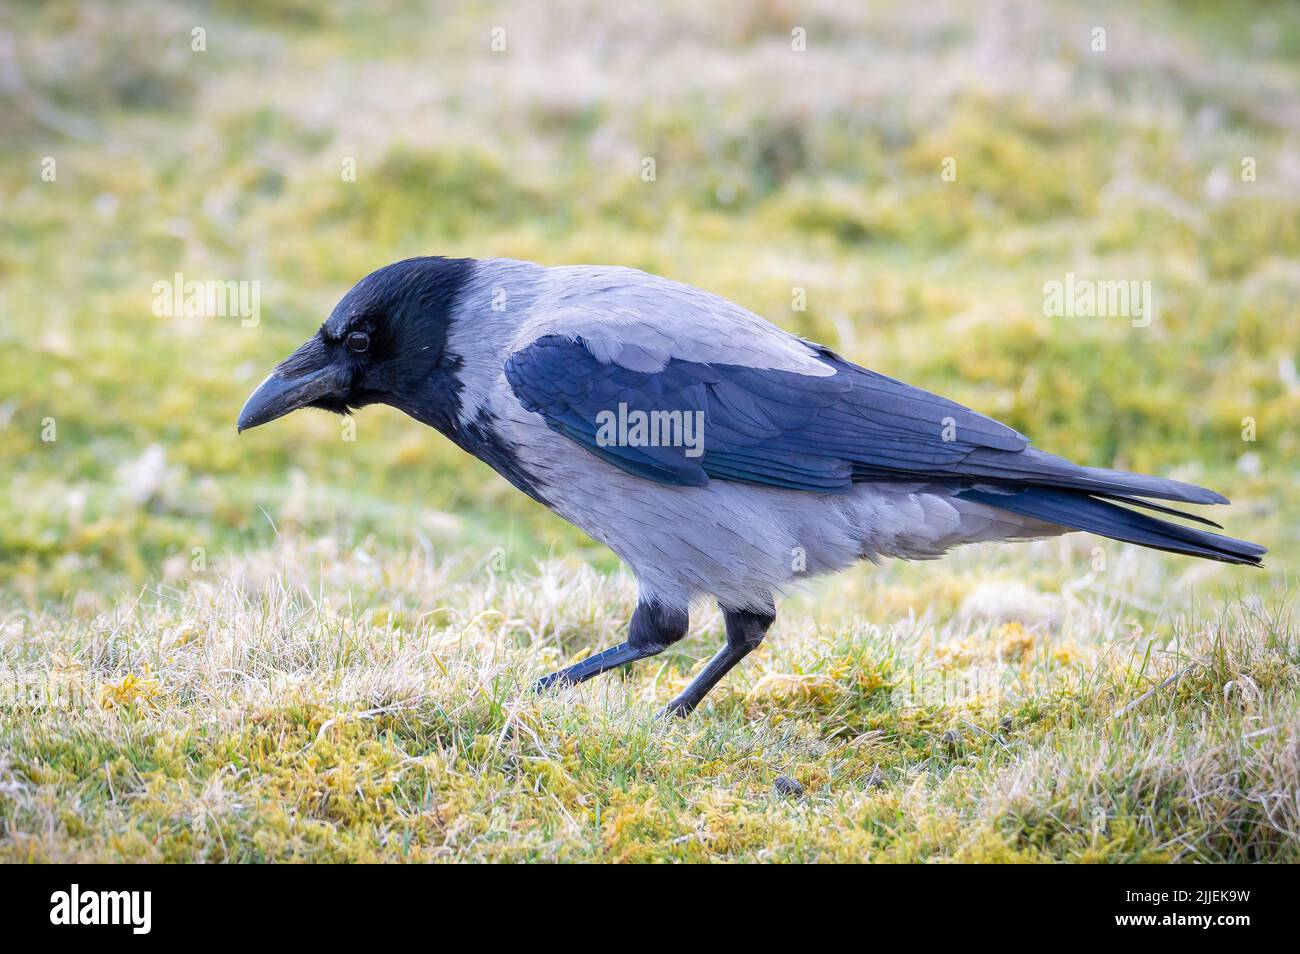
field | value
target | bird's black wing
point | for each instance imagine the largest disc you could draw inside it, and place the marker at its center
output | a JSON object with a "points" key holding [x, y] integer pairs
{"points": [[787, 429], [763, 426]]}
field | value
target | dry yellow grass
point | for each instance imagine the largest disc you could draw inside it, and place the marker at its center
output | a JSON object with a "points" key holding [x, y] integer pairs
{"points": [[326, 703]]}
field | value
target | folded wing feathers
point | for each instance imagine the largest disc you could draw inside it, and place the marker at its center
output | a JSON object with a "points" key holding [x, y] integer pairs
{"points": [[821, 434]]}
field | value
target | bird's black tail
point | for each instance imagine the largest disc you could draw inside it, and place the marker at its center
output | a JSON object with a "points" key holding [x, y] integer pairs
{"points": [[1099, 513]]}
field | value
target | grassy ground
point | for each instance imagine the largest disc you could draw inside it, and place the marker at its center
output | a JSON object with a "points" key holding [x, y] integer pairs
{"points": [[294, 646], [342, 712]]}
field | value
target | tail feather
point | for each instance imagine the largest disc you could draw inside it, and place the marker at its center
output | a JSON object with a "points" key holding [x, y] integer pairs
{"points": [[1080, 510]]}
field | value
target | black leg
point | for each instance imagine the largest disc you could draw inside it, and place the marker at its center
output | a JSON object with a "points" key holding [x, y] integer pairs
{"points": [[654, 627], [745, 630]]}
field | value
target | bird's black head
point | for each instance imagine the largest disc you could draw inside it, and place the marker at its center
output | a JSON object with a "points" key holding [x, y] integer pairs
{"points": [[383, 344]]}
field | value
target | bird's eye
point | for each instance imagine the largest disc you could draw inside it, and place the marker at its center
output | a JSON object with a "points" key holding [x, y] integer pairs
{"points": [[358, 341]]}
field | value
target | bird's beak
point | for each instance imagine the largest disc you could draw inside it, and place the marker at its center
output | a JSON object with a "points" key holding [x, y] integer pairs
{"points": [[305, 376]]}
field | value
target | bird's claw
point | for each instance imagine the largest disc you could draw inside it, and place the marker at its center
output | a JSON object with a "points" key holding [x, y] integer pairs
{"points": [[555, 680], [676, 708]]}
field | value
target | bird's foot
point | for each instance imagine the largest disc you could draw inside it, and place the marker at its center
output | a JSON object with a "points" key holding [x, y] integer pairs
{"points": [[583, 670], [549, 681], [678, 708]]}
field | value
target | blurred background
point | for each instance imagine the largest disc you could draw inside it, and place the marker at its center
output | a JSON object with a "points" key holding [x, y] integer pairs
{"points": [[795, 146]]}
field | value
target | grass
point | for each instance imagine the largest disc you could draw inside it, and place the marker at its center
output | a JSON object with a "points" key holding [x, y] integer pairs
{"points": [[271, 717], [289, 645]]}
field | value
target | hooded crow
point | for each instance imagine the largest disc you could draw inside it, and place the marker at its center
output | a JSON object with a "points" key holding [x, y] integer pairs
{"points": [[716, 454]]}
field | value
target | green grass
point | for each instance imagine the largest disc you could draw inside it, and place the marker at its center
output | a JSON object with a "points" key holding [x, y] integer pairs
{"points": [[272, 717], [288, 645]]}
